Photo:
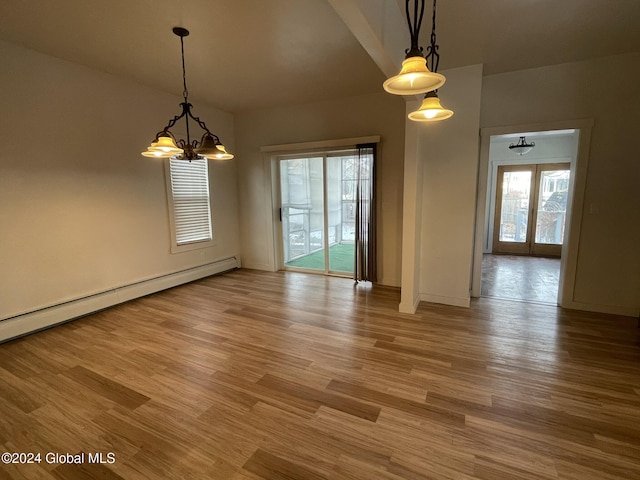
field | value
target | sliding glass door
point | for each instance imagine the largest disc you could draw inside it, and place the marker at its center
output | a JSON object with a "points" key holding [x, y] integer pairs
{"points": [[317, 209]]}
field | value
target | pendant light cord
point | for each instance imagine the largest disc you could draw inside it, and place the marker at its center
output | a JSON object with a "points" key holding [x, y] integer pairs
{"points": [[414, 29], [185, 93], [433, 57]]}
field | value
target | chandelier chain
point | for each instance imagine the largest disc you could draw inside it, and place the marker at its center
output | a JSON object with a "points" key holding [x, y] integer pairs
{"points": [[433, 57], [185, 93]]}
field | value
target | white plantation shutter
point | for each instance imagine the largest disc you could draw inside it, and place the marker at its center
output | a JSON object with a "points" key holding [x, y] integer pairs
{"points": [[190, 193]]}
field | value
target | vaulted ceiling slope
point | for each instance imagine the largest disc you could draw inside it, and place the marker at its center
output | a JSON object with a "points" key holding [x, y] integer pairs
{"points": [[251, 54]]}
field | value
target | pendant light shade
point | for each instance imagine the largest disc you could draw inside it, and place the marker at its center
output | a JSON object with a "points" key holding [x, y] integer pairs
{"points": [[222, 154], [162, 147], [212, 148], [208, 145], [152, 154], [164, 144], [414, 78], [431, 110]]}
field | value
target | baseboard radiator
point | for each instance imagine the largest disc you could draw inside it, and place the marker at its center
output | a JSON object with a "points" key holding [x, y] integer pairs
{"points": [[31, 322]]}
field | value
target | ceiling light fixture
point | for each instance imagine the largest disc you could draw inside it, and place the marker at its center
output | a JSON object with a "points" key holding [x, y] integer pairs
{"points": [[165, 145], [414, 77], [522, 147], [431, 110]]}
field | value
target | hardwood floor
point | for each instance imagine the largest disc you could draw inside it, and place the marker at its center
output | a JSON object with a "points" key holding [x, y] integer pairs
{"points": [[517, 277], [255, 375]]}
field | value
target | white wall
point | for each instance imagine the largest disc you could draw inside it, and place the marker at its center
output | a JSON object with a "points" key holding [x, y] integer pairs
{"points": [[378, 114], [606, 90], [81, 211], [449, 150], [412, 213]]}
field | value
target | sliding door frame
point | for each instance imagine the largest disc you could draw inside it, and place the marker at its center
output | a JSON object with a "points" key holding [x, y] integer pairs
{"points": [[270, 187]]}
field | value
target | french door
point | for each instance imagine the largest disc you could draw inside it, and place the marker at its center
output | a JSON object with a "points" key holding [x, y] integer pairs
{"points": [[531, 205], [317, 212]]}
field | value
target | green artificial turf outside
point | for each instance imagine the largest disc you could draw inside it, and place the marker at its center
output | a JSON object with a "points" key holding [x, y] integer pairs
{"points": [[340, 259]]}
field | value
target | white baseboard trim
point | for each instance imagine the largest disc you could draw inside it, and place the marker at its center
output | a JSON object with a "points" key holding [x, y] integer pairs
{"points": [[608, 309], [408, 307], [261, 266], [454, 301], [47, 317]]}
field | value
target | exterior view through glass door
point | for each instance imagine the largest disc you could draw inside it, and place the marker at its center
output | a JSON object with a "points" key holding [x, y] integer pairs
{"points": [[317, 212], [531, 205]]}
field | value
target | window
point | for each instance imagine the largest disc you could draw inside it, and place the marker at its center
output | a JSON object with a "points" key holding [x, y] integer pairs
{"points": [[189, 206]]}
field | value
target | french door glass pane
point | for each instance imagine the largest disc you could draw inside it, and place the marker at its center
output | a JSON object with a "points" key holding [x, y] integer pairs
{"points": [[552, 206], [514, 216]]}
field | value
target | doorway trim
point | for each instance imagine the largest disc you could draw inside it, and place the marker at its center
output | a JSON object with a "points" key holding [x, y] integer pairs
{"points": [[575, 202]]}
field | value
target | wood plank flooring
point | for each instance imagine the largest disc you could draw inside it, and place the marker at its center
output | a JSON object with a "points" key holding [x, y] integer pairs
{"points": [[518, 277], [256, 375]]}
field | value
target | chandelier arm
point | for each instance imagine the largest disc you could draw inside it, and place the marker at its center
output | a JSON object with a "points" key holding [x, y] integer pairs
{"points": [[186, 112], [414, 28], [173, 121], [202, 125]]}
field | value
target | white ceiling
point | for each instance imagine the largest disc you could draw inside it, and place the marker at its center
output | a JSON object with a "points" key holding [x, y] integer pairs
{"points": [[249, 54]]}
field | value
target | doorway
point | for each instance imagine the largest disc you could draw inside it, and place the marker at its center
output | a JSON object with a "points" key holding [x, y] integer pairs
{"points": [[556, 142], [531, 208]]}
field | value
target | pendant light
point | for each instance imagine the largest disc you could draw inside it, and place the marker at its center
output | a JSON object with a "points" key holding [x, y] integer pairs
{"points": [[522, 147], [431, 110], [165, 145], [414, 77]]}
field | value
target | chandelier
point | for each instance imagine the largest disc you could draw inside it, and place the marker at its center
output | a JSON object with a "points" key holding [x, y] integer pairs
{"points": [[522, 147], [165, 145]]}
